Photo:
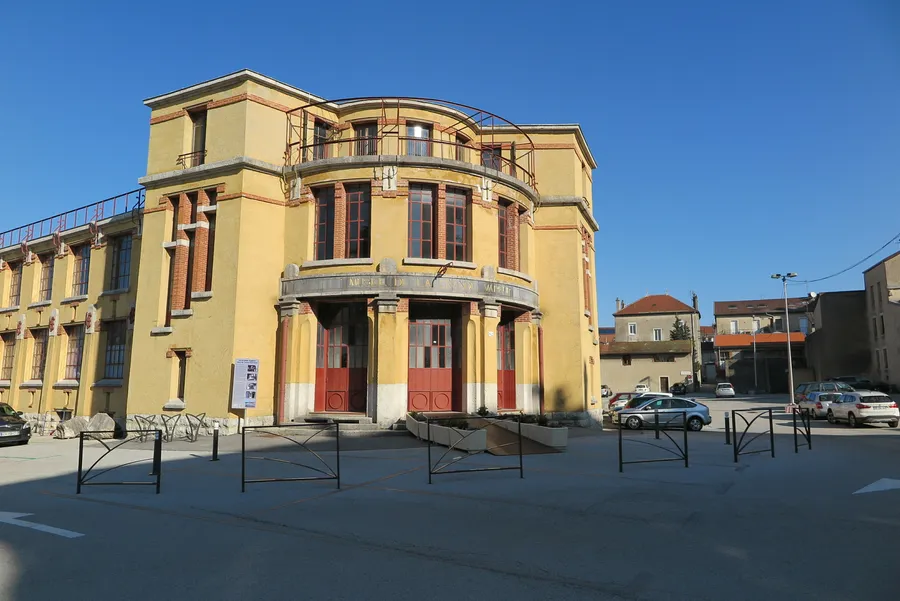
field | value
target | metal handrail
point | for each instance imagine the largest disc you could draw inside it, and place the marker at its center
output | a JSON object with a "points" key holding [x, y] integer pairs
{"points": [[109, 207], [196, 158]]}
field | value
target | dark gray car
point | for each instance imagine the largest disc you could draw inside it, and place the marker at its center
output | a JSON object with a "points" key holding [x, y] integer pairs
{"points": [[671, 411], [13, 429]]}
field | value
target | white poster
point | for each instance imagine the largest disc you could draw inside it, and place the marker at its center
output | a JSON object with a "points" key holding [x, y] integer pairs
{"points": [[246, 382]]}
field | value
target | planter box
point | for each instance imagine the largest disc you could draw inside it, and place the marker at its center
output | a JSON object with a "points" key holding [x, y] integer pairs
{"points": [[464, 440], [558, 438]]}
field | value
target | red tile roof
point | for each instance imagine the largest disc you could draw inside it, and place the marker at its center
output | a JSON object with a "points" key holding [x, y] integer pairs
{"points": [[756, 307], [656, 303], [746, 340], [707, 330]]}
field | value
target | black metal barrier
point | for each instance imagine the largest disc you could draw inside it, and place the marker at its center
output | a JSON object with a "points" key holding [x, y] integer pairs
{"points": [[803, 428], [328, 473], [681, 455], [739, 445], [85, 477], [481, 423]]}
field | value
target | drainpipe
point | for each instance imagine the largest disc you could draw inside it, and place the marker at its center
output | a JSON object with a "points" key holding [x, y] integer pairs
{"points": [[541, 368]]}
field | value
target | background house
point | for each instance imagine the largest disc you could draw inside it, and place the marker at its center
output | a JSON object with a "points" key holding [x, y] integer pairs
{"points": [[838, 341], [883, 316]]}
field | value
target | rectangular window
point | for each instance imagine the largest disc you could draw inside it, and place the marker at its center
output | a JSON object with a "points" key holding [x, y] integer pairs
{"points": [[9, 349], [198, 137], [804, 325], [632, 329], [321, 134], [503, 238], [324, 223], [39, 356], [462, 151], [626, 359], [884, 354], [875, 327], [457, 222], [881, 321], [879, 295], [663, 358], [877, 361], [211, 247], [756, 325], [421, 220], [366, 135], [81, 270], [734, 326], [47, 263], [120, 268], [657, 334], [491, 157], [359, 210], [181, 357], [15, 284], [114, 366], [872, 295], [418, 141], [74, 351]]}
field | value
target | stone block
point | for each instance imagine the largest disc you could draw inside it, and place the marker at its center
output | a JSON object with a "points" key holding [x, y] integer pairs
{"points": [[102, 422], [71, 428]]}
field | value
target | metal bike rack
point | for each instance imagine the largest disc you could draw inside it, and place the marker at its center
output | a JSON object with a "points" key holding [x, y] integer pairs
{"points": [[328, 473], [85, 478], [682, 453]]}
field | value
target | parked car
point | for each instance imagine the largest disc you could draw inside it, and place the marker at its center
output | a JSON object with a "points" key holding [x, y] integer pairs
{"points": [[724, 389], [802, 391], [856, 383], [642, 388], [816, 404], [605, 391], [13, 428], [678, 388], [639, 413], [864, 407]]}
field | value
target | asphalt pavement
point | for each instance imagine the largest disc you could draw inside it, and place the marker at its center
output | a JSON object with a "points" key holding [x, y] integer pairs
{"points": [[572, 528]]}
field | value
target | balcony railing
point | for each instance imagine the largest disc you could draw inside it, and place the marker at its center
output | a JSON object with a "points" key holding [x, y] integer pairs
{"points": [[191, 159], [110, 207]]}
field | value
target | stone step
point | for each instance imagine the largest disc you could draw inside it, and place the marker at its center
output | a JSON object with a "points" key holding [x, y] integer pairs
{"points": [[343, 418]]}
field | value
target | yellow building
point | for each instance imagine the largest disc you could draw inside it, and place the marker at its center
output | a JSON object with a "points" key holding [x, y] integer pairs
{"points": [[374, 255]]}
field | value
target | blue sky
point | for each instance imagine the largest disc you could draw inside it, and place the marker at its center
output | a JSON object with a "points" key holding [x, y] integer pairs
{"points": [[733, 139]]}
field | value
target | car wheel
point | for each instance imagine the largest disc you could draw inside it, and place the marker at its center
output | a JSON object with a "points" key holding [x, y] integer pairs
{"points": [[851, 420], [633, 423], [830, 417], [695, 424], [894, 423]]}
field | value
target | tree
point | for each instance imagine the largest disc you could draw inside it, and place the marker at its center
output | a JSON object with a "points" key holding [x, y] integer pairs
{"points": [[680, 330]]}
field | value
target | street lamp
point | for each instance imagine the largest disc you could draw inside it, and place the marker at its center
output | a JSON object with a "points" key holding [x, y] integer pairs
{"points": [[787, 329]]}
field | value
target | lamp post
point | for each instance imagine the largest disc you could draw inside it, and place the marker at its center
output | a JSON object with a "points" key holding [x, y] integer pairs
{"points": [[787, 330], [755, 377]]}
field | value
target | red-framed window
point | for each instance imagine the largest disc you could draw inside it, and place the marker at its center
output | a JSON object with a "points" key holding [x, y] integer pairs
{"points": [[324, 222], [345, 342], [115, 349], [120, 270], [457, 209], [321, 135], [506, 346], [502, 235], [74, 351], [430, 344], [491, 157], [39, 354], [9, 349], [47, 263], [15, 284], [359, 212], [210, 249], [81, 270], [421, 220], [462, 150], [366, 135], [418, 141]]}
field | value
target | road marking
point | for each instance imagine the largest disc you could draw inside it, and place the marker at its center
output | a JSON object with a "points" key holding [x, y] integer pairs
{"points": [[880, 486], [13, 519]]}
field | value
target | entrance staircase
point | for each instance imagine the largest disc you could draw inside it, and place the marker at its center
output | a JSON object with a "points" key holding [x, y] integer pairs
{"points": [[351, 424]]}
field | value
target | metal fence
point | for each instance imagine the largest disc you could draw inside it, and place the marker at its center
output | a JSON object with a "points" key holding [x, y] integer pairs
{"points": [[87, 477], [680, 452], [803, 428], [739, 447], [467, 442], [326, 471]]}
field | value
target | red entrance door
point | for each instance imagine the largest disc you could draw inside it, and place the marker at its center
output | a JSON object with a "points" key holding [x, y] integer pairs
{"points": [[431, 369], [341, 360], [506, 366]]}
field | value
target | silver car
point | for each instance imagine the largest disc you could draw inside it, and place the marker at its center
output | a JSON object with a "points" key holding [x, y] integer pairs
{"points": [[816, 404], [671, 412]]}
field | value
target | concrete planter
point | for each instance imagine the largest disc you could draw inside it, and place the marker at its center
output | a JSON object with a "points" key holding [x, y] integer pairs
{"points": [[558, 438], [463, 440]]}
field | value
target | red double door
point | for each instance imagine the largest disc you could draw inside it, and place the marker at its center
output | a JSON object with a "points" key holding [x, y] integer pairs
{"points": [[506, 366], [342, 353], [434, 370]]}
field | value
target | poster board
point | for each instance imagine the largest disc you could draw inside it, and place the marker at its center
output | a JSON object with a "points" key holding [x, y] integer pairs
{"points": [[246, 384]]}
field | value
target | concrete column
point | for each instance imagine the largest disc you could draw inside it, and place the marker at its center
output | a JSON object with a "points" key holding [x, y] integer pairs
{"points": [[489, 321], [298, 369], [526, 365], [391, 360], [471, 358]]}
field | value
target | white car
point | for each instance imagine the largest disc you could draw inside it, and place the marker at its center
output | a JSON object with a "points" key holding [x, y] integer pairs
{"points": [[724, 389], [864, 407], [816, 404], [642, 388]]}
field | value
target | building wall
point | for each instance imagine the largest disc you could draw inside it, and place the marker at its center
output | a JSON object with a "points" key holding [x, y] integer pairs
{"points": [[665, 322], [745, 322], [643, 370], [839, 344], [883, 320]]}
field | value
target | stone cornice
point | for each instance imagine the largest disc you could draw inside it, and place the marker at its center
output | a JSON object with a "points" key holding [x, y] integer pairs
{"points": [[208, 170], [572, 201]]}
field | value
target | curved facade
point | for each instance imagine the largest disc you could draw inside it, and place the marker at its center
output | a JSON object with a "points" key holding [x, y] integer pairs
{"points": [[376, 255]]}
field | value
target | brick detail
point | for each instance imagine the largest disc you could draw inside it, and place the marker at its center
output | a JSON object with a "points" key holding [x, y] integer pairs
{"points": [[512, 237], [340, 221], [474, 309], [403, 305], [305, 308], [179, 284], [201, 246], [524, 317], [440, 217]]}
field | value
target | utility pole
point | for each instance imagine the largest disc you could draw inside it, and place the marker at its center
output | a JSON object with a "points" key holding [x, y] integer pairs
{"points": [[787, 330]]}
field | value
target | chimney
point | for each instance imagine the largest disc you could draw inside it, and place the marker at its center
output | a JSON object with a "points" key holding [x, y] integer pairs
{"points": [[618, 307], [696, 302]]}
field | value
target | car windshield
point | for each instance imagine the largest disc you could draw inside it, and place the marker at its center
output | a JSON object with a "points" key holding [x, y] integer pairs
{"points": [[724, 386], [877, 399], [7, 410], [830, 396], [638, 401], [844, 387]]}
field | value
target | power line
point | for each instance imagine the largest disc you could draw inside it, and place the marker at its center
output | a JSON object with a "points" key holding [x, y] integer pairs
{"points": [[857, 264]]}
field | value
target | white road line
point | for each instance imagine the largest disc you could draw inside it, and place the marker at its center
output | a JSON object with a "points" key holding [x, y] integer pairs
{"points": [[879, 486], [13, 520]]}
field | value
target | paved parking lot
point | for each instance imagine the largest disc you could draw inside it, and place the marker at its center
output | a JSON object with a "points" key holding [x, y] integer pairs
{"points": [[573, 528]]}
